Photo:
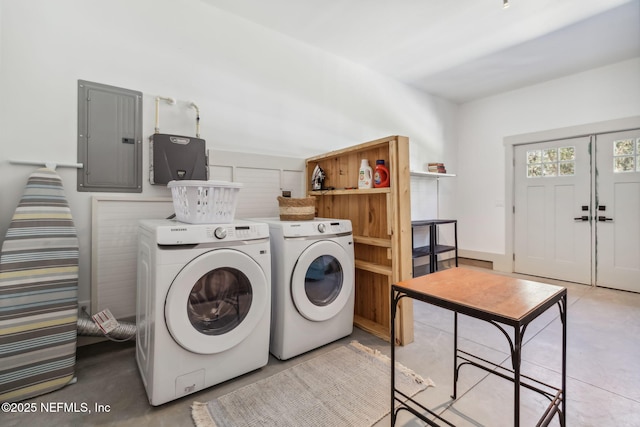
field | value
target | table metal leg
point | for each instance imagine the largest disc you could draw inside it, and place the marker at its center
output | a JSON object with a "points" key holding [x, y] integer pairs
{"points": [[516, 359], [563, 317], [454, 396], [394, 305]]}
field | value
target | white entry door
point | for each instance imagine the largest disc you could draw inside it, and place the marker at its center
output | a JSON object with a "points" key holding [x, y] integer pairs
{"points": [[618, 210], [578, 222], [553, 209]]}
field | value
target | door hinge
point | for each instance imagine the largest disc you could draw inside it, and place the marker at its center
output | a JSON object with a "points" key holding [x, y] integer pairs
{"points": [[514, 256]]}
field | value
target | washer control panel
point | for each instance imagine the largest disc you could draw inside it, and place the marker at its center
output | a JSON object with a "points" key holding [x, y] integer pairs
{"points": [[171, 232], [234, 232], [321, 227]]}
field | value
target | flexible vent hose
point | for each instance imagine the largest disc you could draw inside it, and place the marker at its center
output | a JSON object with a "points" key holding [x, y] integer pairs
{"points": [[124, 332]]}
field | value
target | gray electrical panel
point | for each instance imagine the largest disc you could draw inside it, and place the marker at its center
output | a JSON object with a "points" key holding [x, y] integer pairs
{"points": [[109, 138], [175, 157]]}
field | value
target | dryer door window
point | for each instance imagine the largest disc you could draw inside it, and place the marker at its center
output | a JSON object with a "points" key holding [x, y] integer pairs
{"points": [[219, 301], [322, 282], [216, 301]]}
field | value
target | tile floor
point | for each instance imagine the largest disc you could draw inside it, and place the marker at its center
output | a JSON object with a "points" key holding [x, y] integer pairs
{"points": [[603, 371]]}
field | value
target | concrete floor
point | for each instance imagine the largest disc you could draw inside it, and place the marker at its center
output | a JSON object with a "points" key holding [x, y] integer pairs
{"points": [[603, 371]]}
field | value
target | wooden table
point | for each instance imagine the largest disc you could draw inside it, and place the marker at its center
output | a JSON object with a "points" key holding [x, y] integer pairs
{"points": [[499, 300]]}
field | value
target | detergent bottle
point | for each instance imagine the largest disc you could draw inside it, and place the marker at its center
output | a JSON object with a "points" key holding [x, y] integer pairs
{"points": [[381, 175], [365, 176]]}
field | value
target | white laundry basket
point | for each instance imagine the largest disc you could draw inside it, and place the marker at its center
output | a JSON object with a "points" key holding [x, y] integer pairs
{"points": [[204, 202]]}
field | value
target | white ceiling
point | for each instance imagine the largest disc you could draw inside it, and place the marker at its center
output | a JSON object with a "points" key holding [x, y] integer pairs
{"points": [[459, 49]]}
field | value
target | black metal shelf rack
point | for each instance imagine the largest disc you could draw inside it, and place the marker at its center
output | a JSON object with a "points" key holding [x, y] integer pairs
{"points": [[433, 249]]}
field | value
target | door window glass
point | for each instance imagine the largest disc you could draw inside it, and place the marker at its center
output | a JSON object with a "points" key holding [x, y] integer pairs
{"points": [[551, 162], [323, 280], [626, 155], [219, 301]]}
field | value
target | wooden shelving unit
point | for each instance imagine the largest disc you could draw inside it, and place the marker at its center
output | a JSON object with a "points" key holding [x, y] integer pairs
{"points": [[381, 220]]}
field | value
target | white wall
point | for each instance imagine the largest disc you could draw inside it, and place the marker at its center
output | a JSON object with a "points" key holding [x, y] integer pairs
{"points": [[258, 91], [606, 93]]}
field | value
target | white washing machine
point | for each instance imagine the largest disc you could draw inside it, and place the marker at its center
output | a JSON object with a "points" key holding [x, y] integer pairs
{"points": [[203, 308], [312, 284]]}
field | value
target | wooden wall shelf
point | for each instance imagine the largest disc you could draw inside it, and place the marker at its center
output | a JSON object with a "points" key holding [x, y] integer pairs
{"points": [[374, 268], [432, 174], [348, 192], [373, 241], [381, 220]]}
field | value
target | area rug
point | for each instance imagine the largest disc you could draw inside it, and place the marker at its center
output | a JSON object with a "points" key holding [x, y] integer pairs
{"points": [[348, 386]]}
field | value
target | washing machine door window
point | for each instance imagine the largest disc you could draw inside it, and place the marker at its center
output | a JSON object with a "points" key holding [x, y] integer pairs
{"points": [[219, 301], [322, 281], [216, 301]]}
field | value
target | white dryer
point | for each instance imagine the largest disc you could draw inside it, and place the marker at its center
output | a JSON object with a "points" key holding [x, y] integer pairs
{"points": [[203, 307], [312, 284]]}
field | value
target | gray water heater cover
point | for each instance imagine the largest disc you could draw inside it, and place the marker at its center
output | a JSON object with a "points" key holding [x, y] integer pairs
{"points": [[175, 157]]}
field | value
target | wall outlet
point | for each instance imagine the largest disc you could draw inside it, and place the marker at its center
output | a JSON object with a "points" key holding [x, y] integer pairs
{"points": [[286, 193], [86, 305]]}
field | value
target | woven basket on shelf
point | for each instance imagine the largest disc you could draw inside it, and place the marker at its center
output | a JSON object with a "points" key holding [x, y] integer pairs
{"points": [[297, 209]]}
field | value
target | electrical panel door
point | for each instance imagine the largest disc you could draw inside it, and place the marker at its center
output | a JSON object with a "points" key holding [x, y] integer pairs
{"points": [[109, 138]]}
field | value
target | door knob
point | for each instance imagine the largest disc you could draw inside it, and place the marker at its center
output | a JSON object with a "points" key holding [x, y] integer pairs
{"points": [[582, 218], [604, 219]]}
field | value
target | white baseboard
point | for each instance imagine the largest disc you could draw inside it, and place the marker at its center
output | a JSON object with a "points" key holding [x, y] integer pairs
{"points": [[500, 261]]}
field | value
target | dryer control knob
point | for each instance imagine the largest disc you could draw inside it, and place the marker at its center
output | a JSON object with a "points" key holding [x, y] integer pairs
{"points": [[220, 232], [322, 227]]}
